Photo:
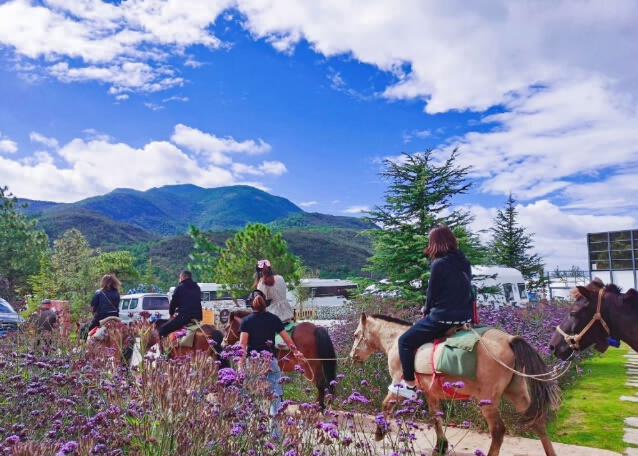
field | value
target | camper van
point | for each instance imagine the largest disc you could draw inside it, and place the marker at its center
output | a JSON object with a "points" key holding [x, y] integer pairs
{"points": [[499, 286], [322, 292]]}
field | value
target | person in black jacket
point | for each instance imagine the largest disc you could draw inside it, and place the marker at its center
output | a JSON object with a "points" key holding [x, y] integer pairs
{"points": [[449, 303], [106, 300], [186, 301]]}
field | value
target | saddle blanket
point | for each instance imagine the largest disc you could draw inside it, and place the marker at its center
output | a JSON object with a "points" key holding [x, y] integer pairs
{"points": [[188, 339], [454, 356], [279, 342]]}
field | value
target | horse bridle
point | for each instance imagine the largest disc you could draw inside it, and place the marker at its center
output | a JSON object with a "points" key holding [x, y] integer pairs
{"points": [[574, 341], [359, 340], [230, 331]]}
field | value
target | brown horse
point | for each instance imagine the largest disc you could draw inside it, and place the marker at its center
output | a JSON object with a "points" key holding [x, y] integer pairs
{"points": [[207, 339], [493, 379], [598, 312], [116, 336], [320, 365]]}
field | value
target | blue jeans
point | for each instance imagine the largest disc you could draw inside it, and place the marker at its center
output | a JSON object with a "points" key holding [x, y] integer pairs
{"points": [[275, 387], [421, 332]]}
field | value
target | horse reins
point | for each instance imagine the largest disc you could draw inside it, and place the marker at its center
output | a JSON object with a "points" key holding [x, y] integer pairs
{"points": [[538, 377], [574, 341]]}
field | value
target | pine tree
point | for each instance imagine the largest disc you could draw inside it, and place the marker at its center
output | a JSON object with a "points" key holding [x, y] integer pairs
{"points": [[418, 198], [511, 244]]}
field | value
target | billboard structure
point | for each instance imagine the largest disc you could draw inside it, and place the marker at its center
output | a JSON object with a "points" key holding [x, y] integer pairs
{"points": [[613, 256]]}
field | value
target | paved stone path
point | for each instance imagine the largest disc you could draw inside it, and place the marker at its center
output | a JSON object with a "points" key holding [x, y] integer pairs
{"points": [[631, 423]]}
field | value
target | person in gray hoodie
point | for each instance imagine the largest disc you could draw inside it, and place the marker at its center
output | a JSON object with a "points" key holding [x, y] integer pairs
{"points": [[449, 303]]}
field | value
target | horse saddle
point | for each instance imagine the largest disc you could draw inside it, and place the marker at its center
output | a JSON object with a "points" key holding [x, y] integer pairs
{"points": [[454, 355], [189, 338], [279, 342], [99, 332]]}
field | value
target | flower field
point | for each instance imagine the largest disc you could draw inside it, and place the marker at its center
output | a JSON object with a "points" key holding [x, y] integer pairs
{"points": [[75, 400]]}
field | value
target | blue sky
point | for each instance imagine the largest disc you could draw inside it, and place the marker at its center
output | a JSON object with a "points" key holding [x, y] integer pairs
{"points": [[304, 99]]}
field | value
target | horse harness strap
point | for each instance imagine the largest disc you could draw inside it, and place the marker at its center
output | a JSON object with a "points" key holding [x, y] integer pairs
{"points": [[574, 340]]}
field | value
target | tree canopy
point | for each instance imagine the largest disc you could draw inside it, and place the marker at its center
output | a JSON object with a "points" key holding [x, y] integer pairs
{"points": [[236, 265], [419, 197], [511, 244], [21, 244]]}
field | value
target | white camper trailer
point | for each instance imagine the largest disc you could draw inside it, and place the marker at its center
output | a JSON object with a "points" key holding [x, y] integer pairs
{"points": [[507, 284], [213, 299]]}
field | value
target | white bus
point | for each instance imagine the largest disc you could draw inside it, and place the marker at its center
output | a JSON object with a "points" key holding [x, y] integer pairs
{"points": [[322, 292]]}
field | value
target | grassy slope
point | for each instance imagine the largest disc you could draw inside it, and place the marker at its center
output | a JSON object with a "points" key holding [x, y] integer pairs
{"points": [[591, 413]]}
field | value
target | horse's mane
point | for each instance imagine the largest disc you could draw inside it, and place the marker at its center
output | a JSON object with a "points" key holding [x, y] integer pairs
{"points": [[391, 319], [241, 313], [595, 286]]}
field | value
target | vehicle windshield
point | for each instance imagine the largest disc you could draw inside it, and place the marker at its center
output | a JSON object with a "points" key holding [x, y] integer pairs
{"points": [[155, 303], [5, 307]]}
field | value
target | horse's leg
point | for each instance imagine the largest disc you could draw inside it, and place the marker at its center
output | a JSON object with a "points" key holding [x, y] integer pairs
{"points": [[434, 407], [494, 420], [518, 395], [387, 407]]}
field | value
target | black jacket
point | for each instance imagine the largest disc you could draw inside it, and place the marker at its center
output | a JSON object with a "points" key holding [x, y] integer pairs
{"points": [[187, 299], [449, 295], [106, 302]]}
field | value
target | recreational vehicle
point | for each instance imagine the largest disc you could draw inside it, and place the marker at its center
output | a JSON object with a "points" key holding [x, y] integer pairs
{"points": [[321, 292], [499, 286]]}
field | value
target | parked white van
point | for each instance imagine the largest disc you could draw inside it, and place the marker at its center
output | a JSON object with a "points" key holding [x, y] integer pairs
{"points": [[154, 303], [508, 284]]}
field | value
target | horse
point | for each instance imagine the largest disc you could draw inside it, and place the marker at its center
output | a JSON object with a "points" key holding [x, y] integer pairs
{"points": [[599, 312], [493, 380], [320, 365], [116, 336], [207, 339]]}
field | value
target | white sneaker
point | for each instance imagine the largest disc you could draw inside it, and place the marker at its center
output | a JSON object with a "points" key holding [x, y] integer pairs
{"points": [[403, 389]]}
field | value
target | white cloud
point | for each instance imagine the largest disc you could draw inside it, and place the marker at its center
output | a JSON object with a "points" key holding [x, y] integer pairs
{"points": [[560, 236], [307, 204], [8, 146], [38, 138], [175, 98], [122, 97], [102, 38], [153, 106], [356, 209], [213, 148], [94, 135], [267, 167], [75, 170]]}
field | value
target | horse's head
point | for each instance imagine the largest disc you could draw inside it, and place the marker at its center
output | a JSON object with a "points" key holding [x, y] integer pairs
{"points": [[231, 328], [584, 325], [361, 349]]}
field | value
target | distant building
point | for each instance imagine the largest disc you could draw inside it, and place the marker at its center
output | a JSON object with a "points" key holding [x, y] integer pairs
{"points": [[613, 256]]}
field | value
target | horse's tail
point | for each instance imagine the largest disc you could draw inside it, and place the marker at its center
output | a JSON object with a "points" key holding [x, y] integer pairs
{"points": [[544, 394], [326, 352]]}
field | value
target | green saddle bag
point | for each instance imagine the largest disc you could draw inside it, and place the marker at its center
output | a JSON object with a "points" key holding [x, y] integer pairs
{"points": [[279, 342]]}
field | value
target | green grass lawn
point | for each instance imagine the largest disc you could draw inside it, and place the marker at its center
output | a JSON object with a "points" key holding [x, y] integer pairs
{"points": [[592, 413]]}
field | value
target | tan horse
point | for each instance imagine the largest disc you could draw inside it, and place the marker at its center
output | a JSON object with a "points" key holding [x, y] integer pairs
{"points": [[381, 333]]}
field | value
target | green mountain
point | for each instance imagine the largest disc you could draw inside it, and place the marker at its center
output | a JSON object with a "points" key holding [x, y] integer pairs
{"points": [[171, 209], [98, 229], [152, 224]]}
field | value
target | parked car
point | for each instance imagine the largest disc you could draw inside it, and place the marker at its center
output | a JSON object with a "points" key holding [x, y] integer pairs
{"points": [[9, 318], [132, 305]]}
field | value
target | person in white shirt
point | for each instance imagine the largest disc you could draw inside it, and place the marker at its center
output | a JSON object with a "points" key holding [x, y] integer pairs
{"points": [[274, 288]]}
